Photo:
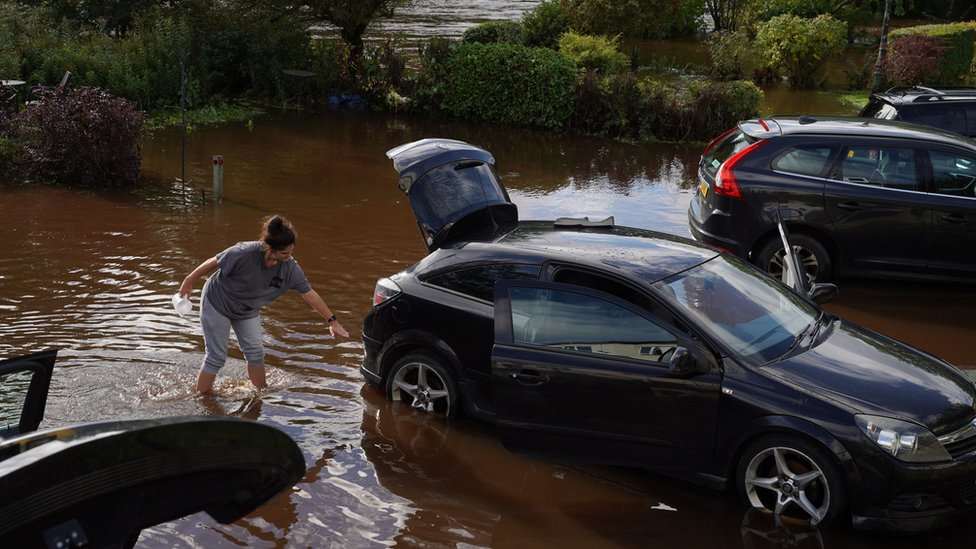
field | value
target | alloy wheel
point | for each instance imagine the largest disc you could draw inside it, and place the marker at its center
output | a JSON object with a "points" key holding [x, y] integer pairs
{"points": [[423, 387], [787, 482]]}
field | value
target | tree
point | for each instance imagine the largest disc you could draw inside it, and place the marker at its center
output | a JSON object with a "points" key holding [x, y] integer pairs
{"points": [[351, 18], [725, 13]]}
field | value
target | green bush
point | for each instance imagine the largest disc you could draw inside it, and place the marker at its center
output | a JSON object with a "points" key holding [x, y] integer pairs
{"points": [[428, 94], [634, 18], [607, 105], [544, 24], [957, 61], [593, 53], [494, 32], [697, 112], [798, 47], [80, 136], [731, 55], [509, 84]]}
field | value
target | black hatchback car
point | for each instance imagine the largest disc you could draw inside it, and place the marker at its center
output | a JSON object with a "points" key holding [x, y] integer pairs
{"points": [[861, 197], [585, 340]]}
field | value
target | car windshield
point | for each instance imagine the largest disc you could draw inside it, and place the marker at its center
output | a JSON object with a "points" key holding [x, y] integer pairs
{"points": [[756, 316]]}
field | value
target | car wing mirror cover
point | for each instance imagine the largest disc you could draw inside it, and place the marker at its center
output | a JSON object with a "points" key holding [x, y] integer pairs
{"points": [[685, 362], [822, 292]]}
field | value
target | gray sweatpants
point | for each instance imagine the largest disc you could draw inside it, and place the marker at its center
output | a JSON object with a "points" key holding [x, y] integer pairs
{"points": [[216, 333]]}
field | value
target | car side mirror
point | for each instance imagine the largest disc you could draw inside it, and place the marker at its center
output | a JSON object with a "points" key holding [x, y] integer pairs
{"points": [[684, 363], [822, 292]]}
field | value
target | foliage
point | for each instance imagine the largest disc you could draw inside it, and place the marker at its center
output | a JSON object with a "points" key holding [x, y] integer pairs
{"points": [[731, 54], [429, 80], [696, 112], [494, 32], [913, 59], [798, 47], [544, 24], [852, 12], [593, 53], [509, 84], [351, 18], [384, 68], [726, 14], [607, 105], [634, 18], [958, 40], [81, 136]]}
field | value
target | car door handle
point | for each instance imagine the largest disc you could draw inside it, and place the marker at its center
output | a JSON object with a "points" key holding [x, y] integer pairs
{"points": [[955, 219], [850, 206], [530, 377]]}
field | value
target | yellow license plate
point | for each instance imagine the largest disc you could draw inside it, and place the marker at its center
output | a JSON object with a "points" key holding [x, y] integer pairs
{"points": [[703, 188]]}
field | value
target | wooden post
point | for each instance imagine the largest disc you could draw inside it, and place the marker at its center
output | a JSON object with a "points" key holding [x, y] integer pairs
{"points": [[218, 177]]}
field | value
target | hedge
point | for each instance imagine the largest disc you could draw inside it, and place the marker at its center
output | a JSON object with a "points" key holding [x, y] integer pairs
{"points": [[959, 38]]}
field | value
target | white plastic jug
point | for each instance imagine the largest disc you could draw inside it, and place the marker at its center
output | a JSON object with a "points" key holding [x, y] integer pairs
{"points": [[182, 305]]}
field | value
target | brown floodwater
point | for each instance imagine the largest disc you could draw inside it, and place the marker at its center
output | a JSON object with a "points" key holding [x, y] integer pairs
{"points": [[92, 272]]}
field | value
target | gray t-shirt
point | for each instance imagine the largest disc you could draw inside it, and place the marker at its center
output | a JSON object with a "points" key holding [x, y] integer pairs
{"points": [[243, 284]]}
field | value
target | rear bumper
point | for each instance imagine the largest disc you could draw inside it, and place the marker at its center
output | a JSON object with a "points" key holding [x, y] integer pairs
{"points": [[702, 225], [370, 368]]}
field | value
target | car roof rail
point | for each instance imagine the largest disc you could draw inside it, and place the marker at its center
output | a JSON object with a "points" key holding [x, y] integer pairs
{"points": [[583, 222]]}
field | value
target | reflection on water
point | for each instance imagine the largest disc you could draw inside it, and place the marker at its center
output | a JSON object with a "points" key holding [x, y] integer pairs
{"points": [[92, 273]]}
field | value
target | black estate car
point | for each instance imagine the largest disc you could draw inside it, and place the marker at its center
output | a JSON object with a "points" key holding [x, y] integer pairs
{"points": [[584, 340], [950, 108], [861, 197]]}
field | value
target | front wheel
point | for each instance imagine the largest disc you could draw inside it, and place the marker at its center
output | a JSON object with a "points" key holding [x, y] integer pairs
{"points": [[792, 477], [424, 383], [813, 257]]}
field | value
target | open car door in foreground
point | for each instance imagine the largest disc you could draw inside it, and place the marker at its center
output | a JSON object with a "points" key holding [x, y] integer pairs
{"points": [[100, 484], [24, 382]]}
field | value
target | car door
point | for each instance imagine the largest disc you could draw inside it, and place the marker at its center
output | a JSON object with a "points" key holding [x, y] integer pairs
{"points": [[582, 374], [24, 382], [952, 195], [878, 207]]}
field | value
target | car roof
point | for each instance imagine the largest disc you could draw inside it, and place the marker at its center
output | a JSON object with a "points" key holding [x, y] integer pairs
{"points": [[849, 125], [640, 254], [925, 94]]}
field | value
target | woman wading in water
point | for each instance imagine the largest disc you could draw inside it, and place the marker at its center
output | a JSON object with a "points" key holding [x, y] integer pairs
{"points": [[249, 275]]}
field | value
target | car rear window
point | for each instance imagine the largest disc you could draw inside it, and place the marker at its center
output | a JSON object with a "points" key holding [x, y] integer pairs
{"points": [[732, 143], [479, 282]]}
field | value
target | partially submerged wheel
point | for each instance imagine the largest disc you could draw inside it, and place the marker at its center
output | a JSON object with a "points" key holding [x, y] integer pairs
{"points": [[424, 383], [813, 257], [791, 477]]}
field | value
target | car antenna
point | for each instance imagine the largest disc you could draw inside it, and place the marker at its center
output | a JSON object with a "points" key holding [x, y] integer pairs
{"points": [[806, 119]]}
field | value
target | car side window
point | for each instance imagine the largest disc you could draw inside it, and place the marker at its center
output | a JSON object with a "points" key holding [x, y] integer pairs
{"points": [[953, 174], [891, 167], [479, 282], [803, 160], [584, 323]]}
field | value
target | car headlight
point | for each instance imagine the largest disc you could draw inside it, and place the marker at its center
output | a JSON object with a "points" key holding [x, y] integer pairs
{"points": [[903, 440]]}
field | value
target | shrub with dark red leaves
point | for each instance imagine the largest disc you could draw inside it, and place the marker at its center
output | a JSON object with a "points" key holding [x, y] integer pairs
{"points": [[80, 136], [913, 59]]}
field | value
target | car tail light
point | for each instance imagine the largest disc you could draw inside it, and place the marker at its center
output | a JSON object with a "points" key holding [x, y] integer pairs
{"points": [[718, 139], [725, 183], [385, 290]]}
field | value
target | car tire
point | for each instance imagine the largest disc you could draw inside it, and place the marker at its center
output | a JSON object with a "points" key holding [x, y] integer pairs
{"points": [[792, 477], [812, 254], [423, 382]]}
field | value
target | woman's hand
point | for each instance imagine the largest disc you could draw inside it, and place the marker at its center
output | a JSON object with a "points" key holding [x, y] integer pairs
{"points": [[336, 329]]}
